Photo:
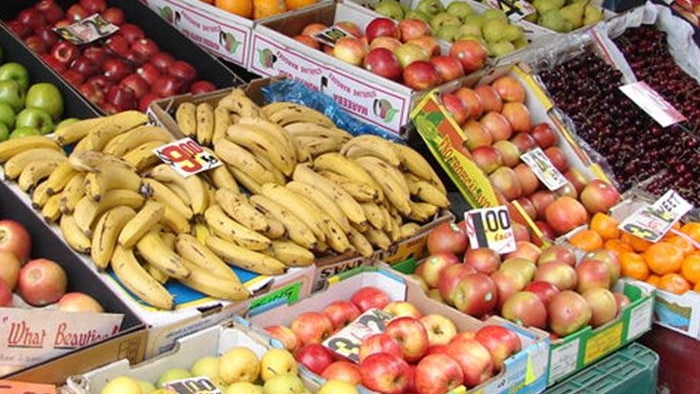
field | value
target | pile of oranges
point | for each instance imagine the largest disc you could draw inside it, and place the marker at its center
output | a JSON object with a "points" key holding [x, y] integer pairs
{"points": [[256, 9], [672, 264]]}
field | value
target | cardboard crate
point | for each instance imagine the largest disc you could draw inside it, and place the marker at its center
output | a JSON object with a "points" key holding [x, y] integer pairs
{"points": [[168, 39], [524, 372]]}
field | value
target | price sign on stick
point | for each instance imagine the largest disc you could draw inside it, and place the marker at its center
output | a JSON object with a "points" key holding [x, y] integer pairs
{"points": [[490, 228], [187, 157], [652, 222], [543, 168]]}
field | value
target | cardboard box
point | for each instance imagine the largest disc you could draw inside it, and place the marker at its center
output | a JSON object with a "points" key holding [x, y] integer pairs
{"points": [[524, 372]]}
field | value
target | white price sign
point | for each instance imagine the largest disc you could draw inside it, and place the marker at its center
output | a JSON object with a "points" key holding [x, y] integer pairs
{"points": [[490, 228], [543, 168], [652, 222], [193, 385], [187, 157], [652, 103]]}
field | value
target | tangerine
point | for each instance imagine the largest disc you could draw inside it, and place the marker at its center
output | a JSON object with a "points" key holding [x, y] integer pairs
{"points": [[638, 244], [242, 8], [587, 240], [653, 280], [664, 258], [296, 4], [691, 268], [605, 226], [682, 243], [692, 229], [265, 8], [674, 283], [616, 246], [633, 266]]}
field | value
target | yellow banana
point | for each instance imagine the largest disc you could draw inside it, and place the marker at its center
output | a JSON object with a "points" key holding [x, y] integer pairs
{"points": [[142, 157], [296, 229], [59, 177], [39, 195], [212, 284], [112, 126], [199, 254], [119, 145], [337, 163], [72, 132], [292, 254], [275, 228], [372, 145], [205, 123], [284, 113], [416, 164], [72, 192], [409, 229], [230, 230], [37, 171], [100, 182], [323, 201], [223, 179], [317, 146], [263, 145], [164, 195], [310, 129], [244, 258], [248, 182], [222, 121], [51, 211], [15, 146], [92, 160], [15, 165], [242, 159], [150, 215], [378, 238], [390, 179], [201, 232], [107, 230], [274, 131], [359, 191], [277, 176], [158, 253], [74, 236], [360, 243], [88, 210], [427, 192], [374, 214], [135, 278], [336, 238], [160, 276], [239, 103], [193, 185], [175, 221], [186, 118], [300, 206], [239, 208], [422, 211]]}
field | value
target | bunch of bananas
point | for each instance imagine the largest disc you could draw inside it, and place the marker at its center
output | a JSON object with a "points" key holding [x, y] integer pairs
{"points": [[312, 184]]}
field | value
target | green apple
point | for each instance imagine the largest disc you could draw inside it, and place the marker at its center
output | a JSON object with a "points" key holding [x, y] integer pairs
{"points": [[7, 115], [500, 48], [390, 8], [460, 9], [45, 96], [467, 30], [444, 19], [24, 132], [430, 7], [4, 132], [288, 384], [494, 30], [495, 14], [474, 19], [512, 33], [206, 366], [448, 33], [277, 362], [415, 14], [12, 94], [37, 118], [16, 72], [173, 374]]}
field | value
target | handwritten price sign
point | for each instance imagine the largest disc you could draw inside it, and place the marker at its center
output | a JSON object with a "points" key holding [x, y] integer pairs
{"points": [[187, 157], [543, 168], [490, 228], [652, 222]]}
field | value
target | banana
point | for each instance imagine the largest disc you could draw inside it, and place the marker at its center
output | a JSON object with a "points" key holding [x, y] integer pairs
{"points": [[306, 211], [317, 146], [360, 243], [119, 145], [303, 154], [107, 230], [164, 195], [222, 121], [15, 165], [263, 145], [378, 238], [275, 229], [310, 129], [390, 179], [92, 160], [244, 258], [40, 195], [427, 192], [158, 253], [416, 164], [342, 165], [246, 180], [59, 177], [394, 230], [374, 214], [179, 191], [296, 229], [409, 229], [135, 278], [372, 145], [37, 171], [223, 179], [14, 146], [239, 208], [284, 113], [51, 211], [238, 103], [274, 131], [205, 123], [199, 254], [422, 211], [186, 118], [388, 218], [242, 159], [72, 132], [74, 236], [88, 210], [112, 126], [82, 146], [230, 230], [292, 254], [213, 285], [193, 185], [323, 201], [100, 182], [277, 176], [150, 215], [160, 276], [175, 221], [359, 191], [336, 238], [72, 192], [142, 157], [201, 232], [347, 204]]}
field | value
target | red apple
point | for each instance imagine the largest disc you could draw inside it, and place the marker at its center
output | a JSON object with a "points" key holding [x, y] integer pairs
{"points": [[369, 297], [121, 97], [542, 199], [149, 72], [526, 250], [76, 13], [350, 50], [118, 45], [5, 295], [351, 28], [542, 289], [487, 158], [93, 6], [312, 327], [18, 28], [440, 329], [41, 282], [79, 302], [454, 106], [413, 28], [557, 157], [545, 229], [10, 265], [603, 305], [341, 313], [521, 269], [314, 357], [521, 232], [85, 66], [32, 18], [308, 41], [389, 43], [500, 342], [475, 295], [509, 89], [591, 274], [599, 196], [163, 61], [450, 278], [137, 84], [143, 49], [74, 78], [609, 258], [471, 101], [509, 152], [436, 349], [438, 374], [312, 28], [497, 125], [421, 75], [114, 16], [524, 142], [447, 237], [528, 181], [565, 214], [558, 273], [429, 270], [15, 239], [472, 54], [379, 343], [475, 135], [411, 336], [65, 52], [577, 178], [386, 373], [285, 335], [474, 359], [168, 85], [518, 116], [506, 286], [53, 63], [544, 135], [383, 62], [567, 313], [146, 101], [506, 181], [131, 32], [449, 68], [622, 301], [92, 92], [560, 253], [116, 69], [525, 308], [402, 308], [344, 371], [202, 86], [51, 11], [381, 27], [483, 260], [490, 99], [183, 70], [36, 44], [429, 44]]}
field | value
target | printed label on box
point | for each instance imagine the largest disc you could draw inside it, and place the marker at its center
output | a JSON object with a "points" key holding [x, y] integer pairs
{"points": [[193, 385], [543, 168], [652, 103], [490, 228], [346, 342], [652, 222], [603, 342], [564, 360], [187, 157], [640, 320]]}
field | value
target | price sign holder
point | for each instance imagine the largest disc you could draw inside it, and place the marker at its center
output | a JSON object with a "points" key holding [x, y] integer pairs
{"points": [[87, 30], [652, 222], [187, 157], [490, 228], [346, 342], [194, 385], [331, 35], [13, 387], [514, 9], [543, 168], [652, 103]]}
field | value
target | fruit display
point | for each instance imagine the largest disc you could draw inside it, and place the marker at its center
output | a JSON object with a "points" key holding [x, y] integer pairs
{"points": [[415, 352], [544, 288], [257, 9], [564, 16], [121, 72], [460, 20], [634, 145]]}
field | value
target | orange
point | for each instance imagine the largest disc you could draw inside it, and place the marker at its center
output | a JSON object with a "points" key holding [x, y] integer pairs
{"points": [[691, 268], [605, 226], [638, 244], [664, 258], [697, 287], [674, 283], [653, 280], [692, 229], [265, 8], [682, 243], [295, 4], [616, 246], [633, 266], [242, 8], [587, 240]]}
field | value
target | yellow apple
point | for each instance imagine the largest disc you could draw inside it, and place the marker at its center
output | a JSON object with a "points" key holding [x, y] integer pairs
{"points": [[122, 384], [277, 362], [244, 388], [337, 387], [239, 364]]}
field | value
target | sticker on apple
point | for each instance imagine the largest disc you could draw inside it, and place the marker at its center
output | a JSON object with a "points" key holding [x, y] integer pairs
{"points": [[187, 157], [490, 228], [87, 30]]}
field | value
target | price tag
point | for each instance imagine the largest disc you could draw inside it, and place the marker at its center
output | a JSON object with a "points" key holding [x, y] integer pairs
{"points": [[490, 228], [652, 103], [543, 168], [652, 222], [331, 35], [194, 385], [346, 342], [514, 9], [12, 387], [187, 157], [87, 30]]}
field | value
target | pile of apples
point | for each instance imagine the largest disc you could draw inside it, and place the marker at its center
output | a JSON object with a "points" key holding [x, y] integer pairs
{"points": [[404, 52], [497, 129], [415, 353], [38, 282], [547, 289], [125, 71]]}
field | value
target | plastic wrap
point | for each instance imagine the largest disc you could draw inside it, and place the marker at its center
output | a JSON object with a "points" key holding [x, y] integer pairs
{"points": [[296, 92]]}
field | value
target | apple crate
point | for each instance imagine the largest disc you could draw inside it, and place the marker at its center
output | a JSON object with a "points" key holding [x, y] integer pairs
{"points": [[212, 341], [524, 372]]}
